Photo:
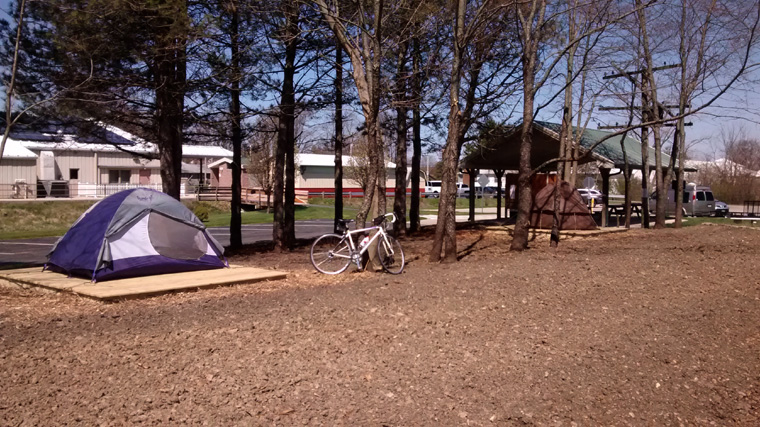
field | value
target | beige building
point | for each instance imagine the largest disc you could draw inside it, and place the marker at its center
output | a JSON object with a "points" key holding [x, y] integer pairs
{"points": [[316, 173], [64, 166]]}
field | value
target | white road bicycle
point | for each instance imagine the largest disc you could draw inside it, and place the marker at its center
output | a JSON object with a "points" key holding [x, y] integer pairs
{"points": [[333, 253]]}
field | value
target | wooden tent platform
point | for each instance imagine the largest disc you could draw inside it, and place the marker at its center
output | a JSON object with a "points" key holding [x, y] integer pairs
{"points": [[138, 287]]}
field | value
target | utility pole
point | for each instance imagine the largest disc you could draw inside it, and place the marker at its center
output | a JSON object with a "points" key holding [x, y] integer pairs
{"points": [[646, 112]]}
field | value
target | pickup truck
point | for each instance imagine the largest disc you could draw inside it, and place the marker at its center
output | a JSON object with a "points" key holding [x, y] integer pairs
{"points": [[433, 189]]}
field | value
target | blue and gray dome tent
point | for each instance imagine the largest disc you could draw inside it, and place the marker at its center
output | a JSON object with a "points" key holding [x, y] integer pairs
{"points": [[137, 232]]}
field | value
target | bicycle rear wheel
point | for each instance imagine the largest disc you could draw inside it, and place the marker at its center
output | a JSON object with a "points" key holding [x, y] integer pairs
{"points": [[390, 254], [330, 254]]}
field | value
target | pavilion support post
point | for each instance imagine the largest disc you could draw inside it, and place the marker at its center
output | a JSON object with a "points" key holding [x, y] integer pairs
{"points": [[605, 193], [472, 173], [499, 175]]}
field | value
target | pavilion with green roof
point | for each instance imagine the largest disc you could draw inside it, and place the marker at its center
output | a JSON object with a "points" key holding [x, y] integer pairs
{"points": [[503, 153]]}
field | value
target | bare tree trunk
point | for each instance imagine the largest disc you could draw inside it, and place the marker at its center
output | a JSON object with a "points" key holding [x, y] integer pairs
{"points": [[382, 176], [285, 136], [565, 148], [414, 208], [445, 230], [399, 201], [9, 89], [402, 125], [170, 102], [531, 24], [654, 112], [338, 84], [365, 60], [662, 186], [369, 193], [236, 237], [644, 156], [524, 196]]}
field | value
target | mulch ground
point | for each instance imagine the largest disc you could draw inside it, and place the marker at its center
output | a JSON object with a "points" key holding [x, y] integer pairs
{"points": [[640, 328]]}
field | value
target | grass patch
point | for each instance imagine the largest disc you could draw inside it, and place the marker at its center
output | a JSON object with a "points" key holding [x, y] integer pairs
{"points": [[25, 220], [39, 219], [222, 219]]}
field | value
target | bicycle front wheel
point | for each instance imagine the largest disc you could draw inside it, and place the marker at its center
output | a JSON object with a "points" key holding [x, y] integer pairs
{"points": [[391, 255], [330, 254]]}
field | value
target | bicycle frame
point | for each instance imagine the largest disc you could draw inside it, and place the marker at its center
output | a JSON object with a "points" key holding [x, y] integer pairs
{"points": [[357, 254]]}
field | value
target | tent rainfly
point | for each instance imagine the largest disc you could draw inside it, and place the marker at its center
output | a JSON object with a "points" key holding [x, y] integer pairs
{"points": [[137, 232], [573, 212]]}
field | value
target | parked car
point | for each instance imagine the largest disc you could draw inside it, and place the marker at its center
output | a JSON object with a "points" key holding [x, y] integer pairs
{"points": [[721, 209], [588, 194], [433, 189], [698, 200], [463, 190], [487, 191]]}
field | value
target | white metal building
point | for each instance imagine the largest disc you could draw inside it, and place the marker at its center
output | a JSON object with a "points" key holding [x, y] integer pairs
{"points": [[64, 160]]}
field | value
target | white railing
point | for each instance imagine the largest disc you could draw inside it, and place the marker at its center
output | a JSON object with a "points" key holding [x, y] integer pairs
{"points": [[99, 191], [18, 191], [79, 190]]}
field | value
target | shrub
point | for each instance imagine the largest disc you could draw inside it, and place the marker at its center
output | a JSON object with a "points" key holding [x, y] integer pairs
{"points": [[202, 211]]}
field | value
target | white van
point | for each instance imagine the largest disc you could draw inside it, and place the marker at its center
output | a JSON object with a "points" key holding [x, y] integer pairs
{"points": [[698, 200]]}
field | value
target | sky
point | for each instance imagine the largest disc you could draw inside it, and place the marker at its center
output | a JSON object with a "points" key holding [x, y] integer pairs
{"points": [[738, 110]]}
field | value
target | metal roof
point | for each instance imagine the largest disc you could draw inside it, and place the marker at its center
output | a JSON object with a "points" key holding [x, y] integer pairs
{"points": [[205, 151], [100, 138], [307, 159], [503, 153], [611, 148], [15, 150]]}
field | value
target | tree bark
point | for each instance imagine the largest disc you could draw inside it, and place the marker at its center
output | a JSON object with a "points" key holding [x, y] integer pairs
{"points": [[365, 60], [338, 84], [653, 112], [399, 202], [644, 157], [236, 237], [524, 193], [445, 230], [9, 88], [283, 233], [414, 208], [530, 34], [170, 81], [402, 126]]}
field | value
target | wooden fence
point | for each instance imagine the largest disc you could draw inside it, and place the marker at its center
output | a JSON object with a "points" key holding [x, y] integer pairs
{"points": [[255, 197]]}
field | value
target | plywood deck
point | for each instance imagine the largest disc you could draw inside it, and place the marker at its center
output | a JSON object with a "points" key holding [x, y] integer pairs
{"points": [[138, 287]]}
